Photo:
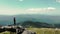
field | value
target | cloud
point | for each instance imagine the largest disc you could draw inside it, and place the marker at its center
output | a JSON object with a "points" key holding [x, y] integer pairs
{"points": [[15, 11], [58, 1], [41, 9], [20, 0]]}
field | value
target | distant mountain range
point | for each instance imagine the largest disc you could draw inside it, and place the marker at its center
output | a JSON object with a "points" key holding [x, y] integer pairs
{"points": [[36, 24], [7, 20], [33, 24]]}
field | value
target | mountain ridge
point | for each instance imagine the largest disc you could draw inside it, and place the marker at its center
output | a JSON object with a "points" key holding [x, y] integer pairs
{"points": [[6, 20]]}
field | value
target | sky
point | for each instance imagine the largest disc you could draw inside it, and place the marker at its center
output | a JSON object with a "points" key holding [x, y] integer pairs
{"points": [[15, 7]]}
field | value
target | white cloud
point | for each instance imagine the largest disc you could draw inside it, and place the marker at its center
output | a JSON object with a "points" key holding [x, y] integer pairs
{"points": [[51, 8], [41, 9], [14, 11], [20, 0], [58, 1]]}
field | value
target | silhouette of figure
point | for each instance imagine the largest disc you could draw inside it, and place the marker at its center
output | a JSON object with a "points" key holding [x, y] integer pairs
{"points": [[14, 21]]}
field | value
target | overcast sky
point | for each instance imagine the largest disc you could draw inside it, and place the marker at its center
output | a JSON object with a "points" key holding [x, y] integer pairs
{"points": [[14, 7]]}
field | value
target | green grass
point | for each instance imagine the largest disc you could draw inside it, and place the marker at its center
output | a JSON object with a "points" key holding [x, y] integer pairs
{"points": [[5, 32], [40, 31], [45, 30]]}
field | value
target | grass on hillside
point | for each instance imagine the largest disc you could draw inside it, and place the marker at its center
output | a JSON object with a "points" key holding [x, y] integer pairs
{"points": [[41, 31], [45, 30]]}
